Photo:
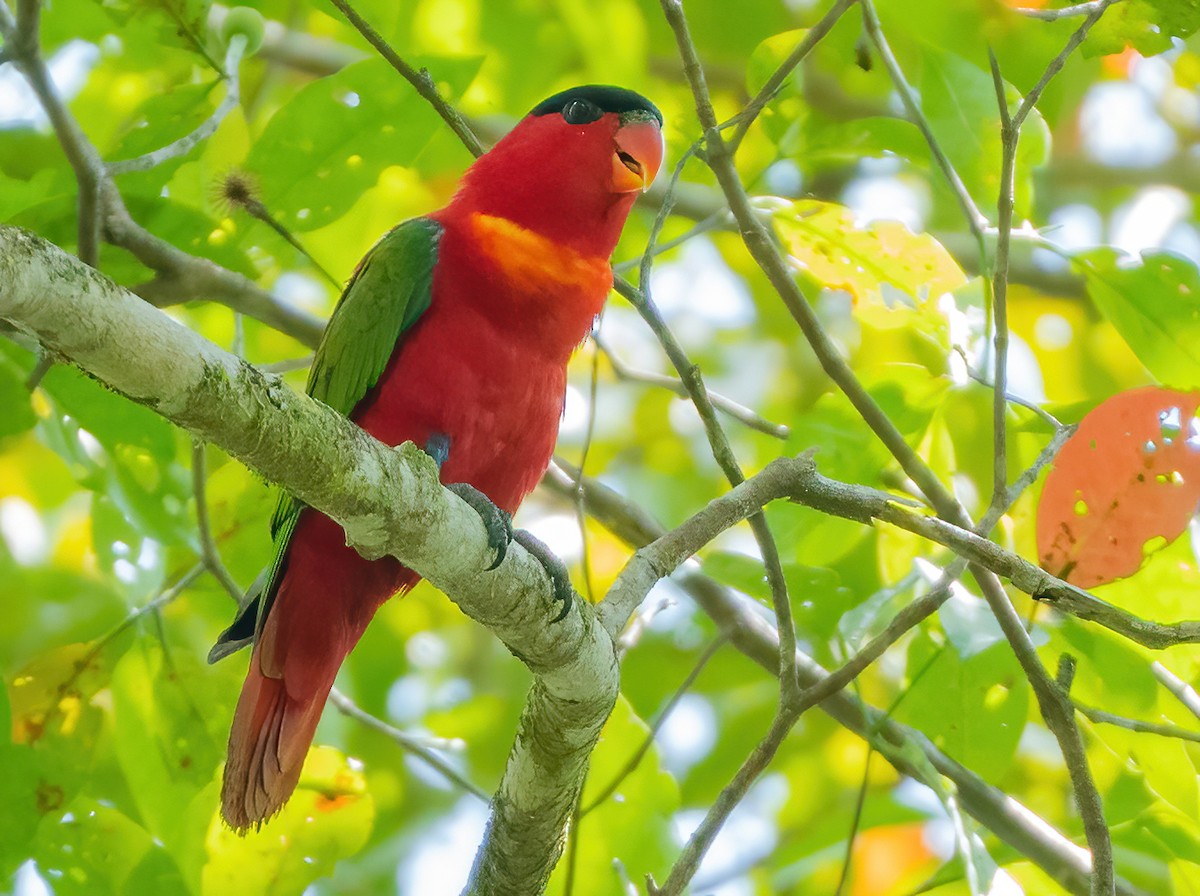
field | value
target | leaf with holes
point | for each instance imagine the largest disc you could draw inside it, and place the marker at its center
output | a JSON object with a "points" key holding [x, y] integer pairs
{"points": [[1124, 485], [879, 261]]}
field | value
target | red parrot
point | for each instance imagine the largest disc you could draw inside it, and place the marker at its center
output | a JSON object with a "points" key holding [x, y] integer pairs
{"points": [[454, 333]]}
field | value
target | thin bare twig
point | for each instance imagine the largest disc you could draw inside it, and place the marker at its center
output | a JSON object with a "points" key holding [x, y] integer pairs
{"points": [[1011, 397], [421, 80], [704, 225], [855, 822], [789, 713], [44, 362], [749, 633], [731, 795], [8, 30], [728, 406], [718, 442], [208, 127], [640, 753], [21, 38], [1101, 717], [763, 249], [815, 694], [180, 276], [405, 741], [1056, 64], [757, 639], [209, 553], [1177, 687], [813, 36], [288, 365], [1065, 12], [660, 219], [164, 597], [1053, 701], [1010, 134], [723, 454], [23, 48], [1058, 713]]}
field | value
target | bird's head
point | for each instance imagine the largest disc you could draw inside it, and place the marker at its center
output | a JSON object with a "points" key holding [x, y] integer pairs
{"points": [[572, 167]]}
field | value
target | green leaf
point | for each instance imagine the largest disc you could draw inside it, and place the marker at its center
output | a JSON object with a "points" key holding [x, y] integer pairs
{"points": [[783, 116], [959, 100], [111, 418], [768, 56], [181, 23], [832, 142], [328, 818], [162, 119], [57, 726], [1146, 25], [160, 736], [970, 624], [819, 599], [97, 849], [16, 412], [973, 708], [332, 140], [1154, 303], [16, 195], [153, 495], [17, 793], [192, 231]]}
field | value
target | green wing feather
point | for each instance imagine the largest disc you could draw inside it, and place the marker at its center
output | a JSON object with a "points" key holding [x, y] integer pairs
{"points": [[391, 288]]}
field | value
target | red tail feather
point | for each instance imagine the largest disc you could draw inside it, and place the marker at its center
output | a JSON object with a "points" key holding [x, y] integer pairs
{"points": [[328, 595], [271, 733]]}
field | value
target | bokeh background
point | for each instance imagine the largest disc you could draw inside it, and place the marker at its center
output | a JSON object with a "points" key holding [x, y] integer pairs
{"points": [[111, 775]]}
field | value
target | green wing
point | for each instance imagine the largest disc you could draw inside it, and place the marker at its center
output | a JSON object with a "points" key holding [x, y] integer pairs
{"points": [[389, 291]]}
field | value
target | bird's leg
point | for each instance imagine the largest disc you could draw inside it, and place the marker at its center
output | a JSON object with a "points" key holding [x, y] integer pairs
{"points": [[560, 579], [497, 522]]}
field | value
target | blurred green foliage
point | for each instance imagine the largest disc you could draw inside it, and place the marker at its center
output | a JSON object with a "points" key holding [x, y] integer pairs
{"points": [[112, 729]]}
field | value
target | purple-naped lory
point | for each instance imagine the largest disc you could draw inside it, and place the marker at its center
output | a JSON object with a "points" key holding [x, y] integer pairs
{"points": [[453, 333]]}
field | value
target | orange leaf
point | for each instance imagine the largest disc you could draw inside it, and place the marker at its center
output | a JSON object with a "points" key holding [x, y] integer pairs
{"points": [[1126, 483], [887, 857]]}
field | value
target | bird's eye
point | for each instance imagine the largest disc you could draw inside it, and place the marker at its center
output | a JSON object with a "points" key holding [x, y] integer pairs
{"points": [[580, 112]]}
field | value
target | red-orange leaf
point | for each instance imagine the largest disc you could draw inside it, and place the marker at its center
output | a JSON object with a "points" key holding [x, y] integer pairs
{"points": [[1127, 482]]}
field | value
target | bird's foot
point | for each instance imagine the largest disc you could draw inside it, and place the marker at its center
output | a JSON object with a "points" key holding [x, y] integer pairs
{"points": [[497, 522], [560, 579]]}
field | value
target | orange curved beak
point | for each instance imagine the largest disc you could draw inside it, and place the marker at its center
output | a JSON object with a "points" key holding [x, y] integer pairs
{"points": [[638, 156]]}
